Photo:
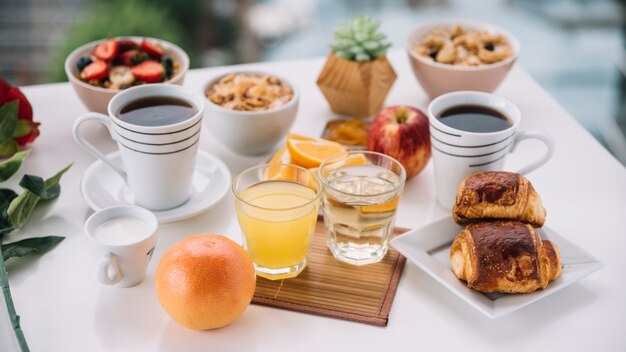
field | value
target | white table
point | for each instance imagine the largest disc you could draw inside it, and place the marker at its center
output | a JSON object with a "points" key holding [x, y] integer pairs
{"points": [[583, 187]]}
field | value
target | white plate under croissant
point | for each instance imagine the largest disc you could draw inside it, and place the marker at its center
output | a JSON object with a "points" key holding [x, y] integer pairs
{"points": [[502, 259], [429, 248]]}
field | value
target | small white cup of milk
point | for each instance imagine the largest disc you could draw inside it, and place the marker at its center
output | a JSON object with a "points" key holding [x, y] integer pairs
{"points": [[122, 238]]}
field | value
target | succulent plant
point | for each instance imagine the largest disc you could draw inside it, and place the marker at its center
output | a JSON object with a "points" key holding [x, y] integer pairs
{"points": [[359, 40]]}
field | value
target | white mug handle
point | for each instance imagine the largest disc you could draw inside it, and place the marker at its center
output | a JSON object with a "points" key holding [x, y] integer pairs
{"points": [[108, 270], [103, 119], [546, 139]]}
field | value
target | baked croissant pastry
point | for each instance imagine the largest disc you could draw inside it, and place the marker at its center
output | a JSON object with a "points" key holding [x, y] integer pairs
{"points": [[504, 256], [498, 195]]}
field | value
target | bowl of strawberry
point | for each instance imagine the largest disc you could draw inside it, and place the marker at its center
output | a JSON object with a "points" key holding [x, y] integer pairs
{"points": [[100, 69]]}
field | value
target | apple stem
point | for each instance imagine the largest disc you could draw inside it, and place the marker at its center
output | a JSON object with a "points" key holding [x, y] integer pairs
{"points": [[402, 115]]}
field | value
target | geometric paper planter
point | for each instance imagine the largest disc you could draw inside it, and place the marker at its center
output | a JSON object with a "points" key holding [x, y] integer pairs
{"points": [[356, 88]]}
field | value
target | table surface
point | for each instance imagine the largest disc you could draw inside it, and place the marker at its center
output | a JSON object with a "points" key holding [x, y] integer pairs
{"points": [[583, 187]]}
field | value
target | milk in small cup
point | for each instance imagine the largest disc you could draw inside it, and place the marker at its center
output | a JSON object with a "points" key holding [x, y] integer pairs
{"points": [[122, 238], [121, 231]]}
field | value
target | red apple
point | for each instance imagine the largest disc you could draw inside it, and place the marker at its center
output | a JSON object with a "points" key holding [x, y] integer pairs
{"points": [[401, 132]]}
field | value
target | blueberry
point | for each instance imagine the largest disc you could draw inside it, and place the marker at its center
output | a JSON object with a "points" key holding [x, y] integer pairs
{"points": [[82, 63], [489, 46], [433, 54], [168, 65]]}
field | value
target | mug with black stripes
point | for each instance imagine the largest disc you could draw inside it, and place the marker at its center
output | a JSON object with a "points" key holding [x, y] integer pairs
{"points": [[158, 154], [459, 151]]}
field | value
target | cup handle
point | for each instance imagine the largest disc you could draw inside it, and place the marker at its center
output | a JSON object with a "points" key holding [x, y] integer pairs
{"points": [[541, 136], [108, 270], [103, 119]]}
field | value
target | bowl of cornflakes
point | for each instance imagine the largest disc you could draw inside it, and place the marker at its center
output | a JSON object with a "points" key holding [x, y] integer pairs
{"points": [[455, 55], [100, 69], [250, 112]]}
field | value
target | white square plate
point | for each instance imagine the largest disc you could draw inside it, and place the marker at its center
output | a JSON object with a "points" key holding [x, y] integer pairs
{"points": [[429, 248]]}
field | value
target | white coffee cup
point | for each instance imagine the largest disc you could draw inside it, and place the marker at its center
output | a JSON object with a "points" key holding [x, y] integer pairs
{"points": [[458, 153], [158, 161], [122, 238]]}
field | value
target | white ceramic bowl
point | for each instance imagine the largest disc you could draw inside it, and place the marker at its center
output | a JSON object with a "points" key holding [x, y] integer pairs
{"points": [[250, 132], [97, 98], [437, 78]]}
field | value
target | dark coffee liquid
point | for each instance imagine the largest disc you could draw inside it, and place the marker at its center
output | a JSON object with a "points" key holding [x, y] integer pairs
{"points": [[156, 111], [475, 118]]}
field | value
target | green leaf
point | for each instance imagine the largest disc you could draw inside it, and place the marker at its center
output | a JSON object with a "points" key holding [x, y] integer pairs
{"points": [[22, 206], [371, 45], [9, 167], [362, 57], [377, 36], [8, 120], [6, 196], [345, 54], [54, 180], [22, 129], [34, 184], [8, 148], [357, 50], [361, 37], [379, 52], [29, 245]]}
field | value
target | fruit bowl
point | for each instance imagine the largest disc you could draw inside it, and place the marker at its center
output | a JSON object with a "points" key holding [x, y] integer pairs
{"points": [[438, 78], [250, 132], [97, 98]]}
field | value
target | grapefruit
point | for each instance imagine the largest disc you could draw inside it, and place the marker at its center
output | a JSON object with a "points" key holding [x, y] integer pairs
{"points": [[205, 281]]}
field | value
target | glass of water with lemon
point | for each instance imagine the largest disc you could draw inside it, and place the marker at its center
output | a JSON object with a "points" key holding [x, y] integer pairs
{"points": [[277, 207], [361, 192]]}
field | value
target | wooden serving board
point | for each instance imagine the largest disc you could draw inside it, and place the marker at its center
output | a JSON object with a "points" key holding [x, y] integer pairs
{"points": [[331, 288]]}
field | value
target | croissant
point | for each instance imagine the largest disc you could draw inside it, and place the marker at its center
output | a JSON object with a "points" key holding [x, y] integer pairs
{"points": [[504, 256], [498, 195]]}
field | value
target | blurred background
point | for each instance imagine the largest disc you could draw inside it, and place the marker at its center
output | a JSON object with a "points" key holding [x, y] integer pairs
{"points": [[574, 48]]}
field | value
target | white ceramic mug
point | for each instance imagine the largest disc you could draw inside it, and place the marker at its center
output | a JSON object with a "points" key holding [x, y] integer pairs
{"points": [[122, 262], [458, 153], [158, 160]]}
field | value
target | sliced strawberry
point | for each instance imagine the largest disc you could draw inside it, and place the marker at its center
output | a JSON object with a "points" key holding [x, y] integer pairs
{"points": [[148, 71], [126, 44], [153, 49], [132, 57], [95, 70], [107, 50]]}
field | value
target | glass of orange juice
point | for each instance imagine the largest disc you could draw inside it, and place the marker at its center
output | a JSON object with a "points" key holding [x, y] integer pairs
{"points": [[277, 207]]}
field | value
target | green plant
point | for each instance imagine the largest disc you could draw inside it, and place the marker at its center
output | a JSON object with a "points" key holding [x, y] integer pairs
{"points": [[14, 212], [16, 130], [118, 18], [359, 40]]}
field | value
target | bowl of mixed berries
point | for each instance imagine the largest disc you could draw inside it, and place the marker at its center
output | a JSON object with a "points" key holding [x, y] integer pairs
{"points": [[100, 69]]}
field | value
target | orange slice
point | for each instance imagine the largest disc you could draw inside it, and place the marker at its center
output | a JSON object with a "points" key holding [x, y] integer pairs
{"points": [[279, 172], [382, 208], [352, 160], [310, 153], [300, 137]]}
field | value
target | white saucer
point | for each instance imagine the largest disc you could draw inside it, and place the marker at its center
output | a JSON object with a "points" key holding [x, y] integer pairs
{"points": [[102, 187]]}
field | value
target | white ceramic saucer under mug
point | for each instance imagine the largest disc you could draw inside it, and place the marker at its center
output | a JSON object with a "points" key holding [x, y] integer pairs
{"points": [[102, 187]]}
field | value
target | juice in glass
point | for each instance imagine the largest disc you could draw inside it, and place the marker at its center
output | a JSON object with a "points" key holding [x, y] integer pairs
{"points": [[278, 218]]}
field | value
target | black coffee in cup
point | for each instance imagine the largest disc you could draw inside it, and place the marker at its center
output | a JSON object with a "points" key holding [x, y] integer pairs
{"points": [[156, 111], [475, 118]]}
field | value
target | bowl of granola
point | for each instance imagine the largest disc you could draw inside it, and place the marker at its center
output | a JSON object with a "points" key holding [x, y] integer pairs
{"points": [[454, 55], [250, 112], [100, 69]]}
